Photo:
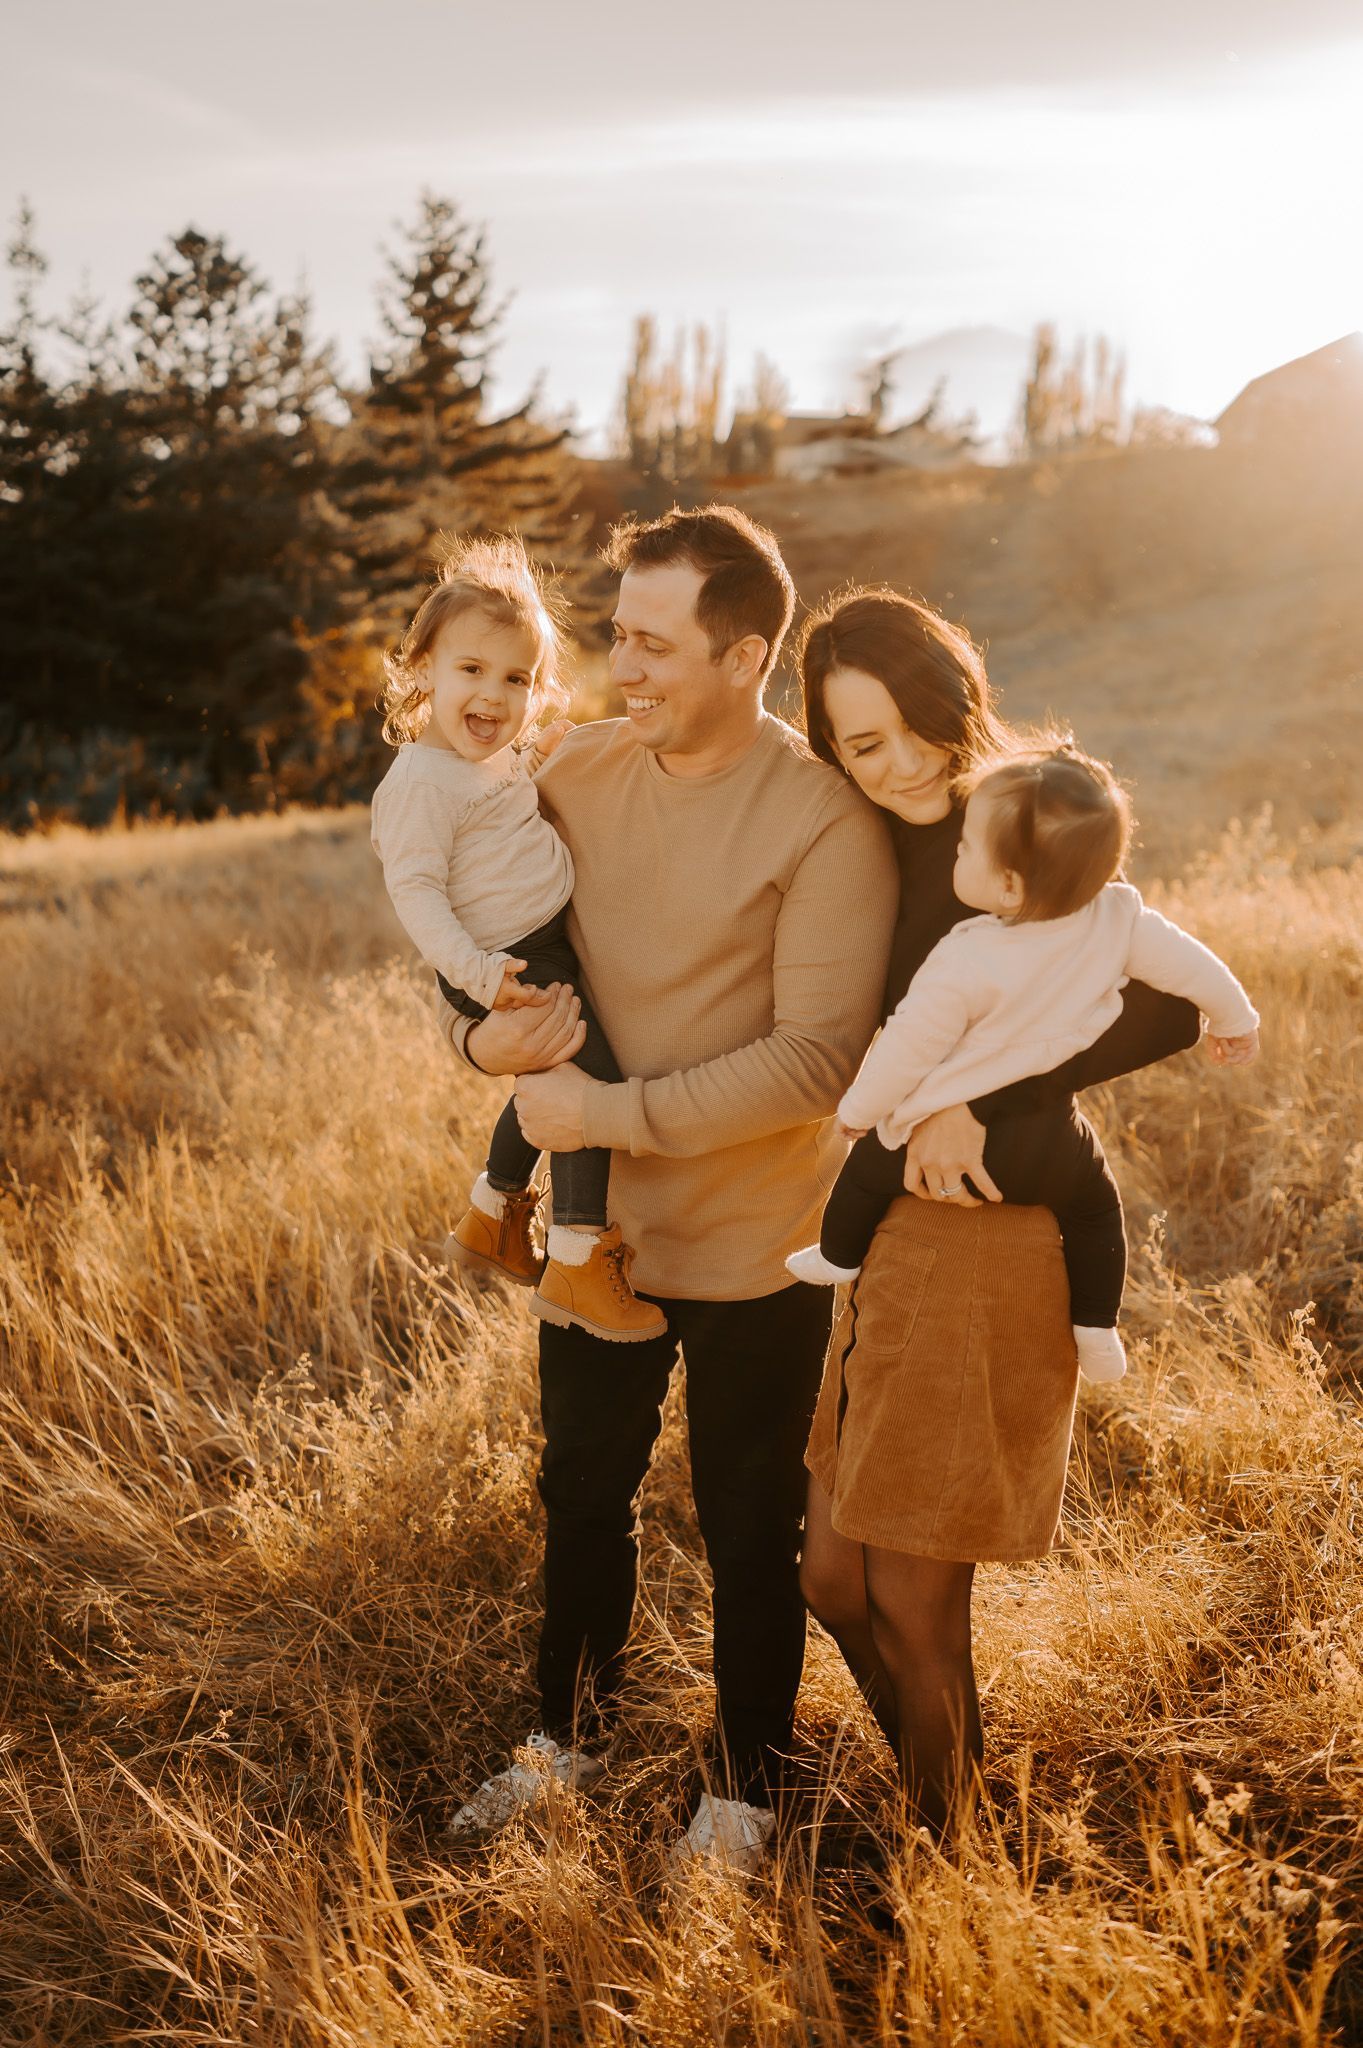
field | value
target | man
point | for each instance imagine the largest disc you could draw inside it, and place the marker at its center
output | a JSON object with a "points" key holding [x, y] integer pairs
{"points": [[733, 910]]}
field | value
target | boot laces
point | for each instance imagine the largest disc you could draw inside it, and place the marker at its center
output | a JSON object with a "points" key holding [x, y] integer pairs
{"points": [[617, 1259], [518, 1214]]}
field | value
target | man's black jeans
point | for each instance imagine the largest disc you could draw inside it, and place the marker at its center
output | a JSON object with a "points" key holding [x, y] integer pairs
{"points": [[752, 1378], [580, 1179]]}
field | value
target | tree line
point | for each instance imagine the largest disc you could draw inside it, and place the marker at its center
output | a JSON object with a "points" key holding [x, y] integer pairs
{"points": [[206, 534]]}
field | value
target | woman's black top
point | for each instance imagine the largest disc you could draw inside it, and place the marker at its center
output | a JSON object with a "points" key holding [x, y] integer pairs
{"points": [[928, 905], [1152, 1024]]}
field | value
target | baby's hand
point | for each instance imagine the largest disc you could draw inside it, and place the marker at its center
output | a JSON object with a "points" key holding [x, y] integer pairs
{"points": [[513, 994], [846, 1131], [1233, 1052]]}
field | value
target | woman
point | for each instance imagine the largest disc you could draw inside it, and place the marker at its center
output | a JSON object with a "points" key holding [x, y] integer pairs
{"points": [[943, 1426]]}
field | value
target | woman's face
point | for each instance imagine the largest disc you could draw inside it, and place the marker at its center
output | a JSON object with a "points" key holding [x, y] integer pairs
{"points": [[893, 766]]}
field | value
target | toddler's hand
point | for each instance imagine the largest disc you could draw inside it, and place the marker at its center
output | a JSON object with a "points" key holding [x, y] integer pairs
{"points": [[1233, 1052], [846, 1131], [551, 736], [513, 994]]}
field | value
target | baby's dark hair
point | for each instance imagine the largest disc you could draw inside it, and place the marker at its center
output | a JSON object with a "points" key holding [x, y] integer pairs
{"points": [[1059, 820]]}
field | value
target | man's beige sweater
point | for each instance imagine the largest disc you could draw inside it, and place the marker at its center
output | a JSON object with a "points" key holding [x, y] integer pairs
{"points": [[733, 931]]}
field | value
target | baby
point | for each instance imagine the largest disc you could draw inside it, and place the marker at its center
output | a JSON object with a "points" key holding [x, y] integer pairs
{"points": [[1015, 992], [481, 881]]}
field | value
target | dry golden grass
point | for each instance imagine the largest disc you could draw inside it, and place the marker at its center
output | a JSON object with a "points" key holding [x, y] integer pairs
{"points": [[270, 1538]]}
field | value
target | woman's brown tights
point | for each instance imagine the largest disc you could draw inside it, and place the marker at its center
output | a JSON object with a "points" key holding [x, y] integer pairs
{"points": [[903, 1625]]}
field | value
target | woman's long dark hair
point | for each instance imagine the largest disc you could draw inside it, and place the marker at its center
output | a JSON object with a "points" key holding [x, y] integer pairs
{"points": [[932, 670]]}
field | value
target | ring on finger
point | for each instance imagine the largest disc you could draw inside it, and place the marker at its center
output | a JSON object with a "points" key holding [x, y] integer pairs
{"points": [[949, 1192]]}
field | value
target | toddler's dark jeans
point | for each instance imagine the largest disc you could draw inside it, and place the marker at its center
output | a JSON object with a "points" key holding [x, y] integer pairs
{"points": [[1051, 1156], [580, 1179]]}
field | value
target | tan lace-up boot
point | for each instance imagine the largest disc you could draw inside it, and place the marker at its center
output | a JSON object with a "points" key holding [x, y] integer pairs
{"points": [[597, 1297], [504, 1243]]}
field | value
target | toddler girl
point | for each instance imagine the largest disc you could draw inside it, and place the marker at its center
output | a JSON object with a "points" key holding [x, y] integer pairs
{"points": [[1016, 992], [481, 882]]}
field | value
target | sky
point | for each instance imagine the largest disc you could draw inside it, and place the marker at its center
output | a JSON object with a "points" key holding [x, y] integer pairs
{"points": [[824, 181]]}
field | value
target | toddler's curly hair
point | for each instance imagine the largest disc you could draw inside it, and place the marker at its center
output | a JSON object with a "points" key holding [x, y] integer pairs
{"points": [[496, 577]]}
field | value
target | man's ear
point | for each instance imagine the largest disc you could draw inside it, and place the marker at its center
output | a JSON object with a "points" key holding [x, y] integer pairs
{"points": [[746, 658]]}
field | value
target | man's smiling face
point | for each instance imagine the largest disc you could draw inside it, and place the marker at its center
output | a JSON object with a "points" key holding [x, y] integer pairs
{"points": [[677, 698]]}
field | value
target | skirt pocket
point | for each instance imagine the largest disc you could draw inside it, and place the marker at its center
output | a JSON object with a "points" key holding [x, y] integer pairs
{"points": [[885, 1319]]}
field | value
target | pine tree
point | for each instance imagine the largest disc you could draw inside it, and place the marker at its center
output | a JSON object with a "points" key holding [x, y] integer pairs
{"points": [[69, 566], [229, 396], [425, 455]]}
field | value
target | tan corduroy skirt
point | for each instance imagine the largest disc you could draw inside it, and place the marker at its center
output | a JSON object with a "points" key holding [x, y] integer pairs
{"points": [[944, 1419]]}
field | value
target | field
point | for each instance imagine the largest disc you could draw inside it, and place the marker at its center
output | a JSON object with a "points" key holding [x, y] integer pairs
{"points": [[269, 1535]]}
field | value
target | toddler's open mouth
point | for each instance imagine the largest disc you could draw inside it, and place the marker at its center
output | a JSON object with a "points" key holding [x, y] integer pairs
{"points": [[484, 729]]}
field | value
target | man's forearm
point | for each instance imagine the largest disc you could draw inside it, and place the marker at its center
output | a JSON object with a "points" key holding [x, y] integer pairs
{"points": [[772, 1085], [454, 1029], [1152, 1027]]}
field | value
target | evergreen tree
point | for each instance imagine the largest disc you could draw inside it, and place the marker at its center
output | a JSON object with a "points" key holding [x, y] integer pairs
{"points": [[229, 398], [425, 455], [69, 566]]}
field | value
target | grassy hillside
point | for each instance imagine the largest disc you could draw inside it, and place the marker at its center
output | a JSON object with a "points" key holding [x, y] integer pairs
{"points": [[1196, 614], [268, 1537]]}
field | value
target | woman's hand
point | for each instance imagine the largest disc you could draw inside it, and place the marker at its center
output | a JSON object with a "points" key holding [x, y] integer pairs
{"points": [[529, 1041], [942, 1151], [1233, 1052]]}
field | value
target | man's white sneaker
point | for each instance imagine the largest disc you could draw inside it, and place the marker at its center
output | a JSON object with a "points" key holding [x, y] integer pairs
{"points": [[524, 1783], [1102, 1355], [815, 1270], [728, 1833]]}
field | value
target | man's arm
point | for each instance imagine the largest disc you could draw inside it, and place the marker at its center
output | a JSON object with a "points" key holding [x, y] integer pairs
{"points": [[832, 942]]}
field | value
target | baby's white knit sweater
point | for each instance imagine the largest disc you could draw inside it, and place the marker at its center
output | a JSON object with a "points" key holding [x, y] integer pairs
{"points": [[471, 864], [995, 1001]]}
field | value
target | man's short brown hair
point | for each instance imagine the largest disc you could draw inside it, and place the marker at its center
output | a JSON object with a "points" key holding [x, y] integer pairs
{"points": [[747, 587]]}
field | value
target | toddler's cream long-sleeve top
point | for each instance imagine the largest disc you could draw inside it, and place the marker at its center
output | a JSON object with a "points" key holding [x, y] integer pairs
{"points": [[995, 1001], [471, 864], [733, 931]]}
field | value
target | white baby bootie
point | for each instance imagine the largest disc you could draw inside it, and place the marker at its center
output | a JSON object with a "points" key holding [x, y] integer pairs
{"points": [[815, 1270], [1102, 1355]]}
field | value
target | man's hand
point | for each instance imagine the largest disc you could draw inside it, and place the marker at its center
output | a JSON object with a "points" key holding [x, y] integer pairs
{"points": [[1233, 1052], [549, 1109], [941, 1152], [532, 1040]]}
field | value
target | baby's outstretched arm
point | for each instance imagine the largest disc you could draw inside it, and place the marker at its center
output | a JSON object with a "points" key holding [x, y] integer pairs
{"points": [[1241, 1049], [1164, 955]]}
